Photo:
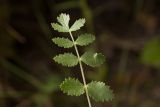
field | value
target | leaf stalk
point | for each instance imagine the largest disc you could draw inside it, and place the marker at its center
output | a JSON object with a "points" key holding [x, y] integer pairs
{"points": [[82, 71]]}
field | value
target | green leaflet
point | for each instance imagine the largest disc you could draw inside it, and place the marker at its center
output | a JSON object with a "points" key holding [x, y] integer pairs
{"points": [[66, 59], [93, 59], [59, 28], [77, 24], [63, 19], [85, 39], [63, 25], [63, 42], [99, 91], [72, 87]]}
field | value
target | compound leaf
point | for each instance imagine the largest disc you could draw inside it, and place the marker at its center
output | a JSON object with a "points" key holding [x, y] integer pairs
{"points": [[72, 87], [93, 59], [63, 25], [63, 42], [66, 59], [99, 91], [85, 39], [77, 24]]}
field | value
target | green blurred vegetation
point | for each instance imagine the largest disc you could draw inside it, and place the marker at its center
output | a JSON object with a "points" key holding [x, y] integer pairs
{"points": [[127, 33], [151, 53]]}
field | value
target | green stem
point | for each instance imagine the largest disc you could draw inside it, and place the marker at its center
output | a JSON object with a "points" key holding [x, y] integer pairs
{"points": [[81, 68]]}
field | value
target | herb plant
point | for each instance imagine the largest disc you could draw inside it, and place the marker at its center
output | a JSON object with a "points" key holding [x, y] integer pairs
{"points": [[97, 90]]}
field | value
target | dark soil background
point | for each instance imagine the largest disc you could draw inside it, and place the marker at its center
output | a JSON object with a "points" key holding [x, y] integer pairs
{"points": [[127, 33]]}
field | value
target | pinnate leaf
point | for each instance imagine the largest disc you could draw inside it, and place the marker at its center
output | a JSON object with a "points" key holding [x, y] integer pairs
{"points": [[77, 24], [85, 39], [72, 87], [99, 91], [93, 59], [66, 59], [63, 42]]}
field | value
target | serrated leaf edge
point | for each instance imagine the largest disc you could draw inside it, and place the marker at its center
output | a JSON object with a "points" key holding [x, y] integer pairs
{"points": [[58, 19], [92, 65], [65, 63], [71, 28], [65, 92], [87, 43], [62, 27], [61, 15], [103, 100], [62, 38]]}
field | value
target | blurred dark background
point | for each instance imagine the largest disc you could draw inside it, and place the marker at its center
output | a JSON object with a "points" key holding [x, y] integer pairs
{"points": [[127, 33]]}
